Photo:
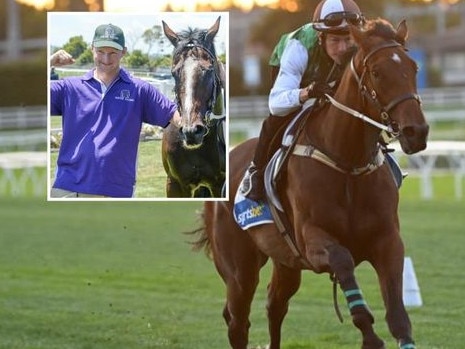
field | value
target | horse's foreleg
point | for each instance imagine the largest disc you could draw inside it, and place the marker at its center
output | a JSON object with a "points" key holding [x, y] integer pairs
{"points": [[342, 265], [174, 189], [284, 284], [389, 267]]}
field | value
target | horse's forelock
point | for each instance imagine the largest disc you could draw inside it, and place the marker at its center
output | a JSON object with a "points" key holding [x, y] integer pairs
{"points": [[194, 36], [381, 28]]}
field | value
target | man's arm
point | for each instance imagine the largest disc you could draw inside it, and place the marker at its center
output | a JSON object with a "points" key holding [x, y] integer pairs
{"points": [[176, 119]]}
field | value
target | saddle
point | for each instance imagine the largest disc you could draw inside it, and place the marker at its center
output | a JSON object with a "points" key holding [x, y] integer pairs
{"points": [[273, 210]]}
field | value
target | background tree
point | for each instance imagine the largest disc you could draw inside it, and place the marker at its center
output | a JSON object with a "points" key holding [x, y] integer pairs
{"points": [[136, 59], [76, 46], [86, 58], [151, 37]]}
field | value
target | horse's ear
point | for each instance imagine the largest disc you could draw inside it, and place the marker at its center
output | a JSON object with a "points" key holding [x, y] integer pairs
{"points": [[357, 34], [211, 33], [170, 34], [402, 32]]}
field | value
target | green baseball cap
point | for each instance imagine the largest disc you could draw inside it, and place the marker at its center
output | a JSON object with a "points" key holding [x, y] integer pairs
{"points": [[109, 35]]}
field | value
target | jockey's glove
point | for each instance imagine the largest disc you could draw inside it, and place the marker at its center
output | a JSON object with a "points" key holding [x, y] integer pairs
{"points": [[318, 89]]}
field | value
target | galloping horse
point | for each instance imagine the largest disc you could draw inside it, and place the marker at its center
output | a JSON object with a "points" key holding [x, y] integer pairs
{"points": [[338, 194], [194, 155]]}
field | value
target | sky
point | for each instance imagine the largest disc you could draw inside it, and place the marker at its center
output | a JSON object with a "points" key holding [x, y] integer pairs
{"points": [[63, 25]]}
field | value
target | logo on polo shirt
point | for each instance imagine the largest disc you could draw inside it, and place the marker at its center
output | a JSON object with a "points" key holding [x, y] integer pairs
{"points": [[125, 95]]}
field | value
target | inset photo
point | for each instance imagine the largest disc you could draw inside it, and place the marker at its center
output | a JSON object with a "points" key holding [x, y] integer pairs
{"points": [[137, 106]]}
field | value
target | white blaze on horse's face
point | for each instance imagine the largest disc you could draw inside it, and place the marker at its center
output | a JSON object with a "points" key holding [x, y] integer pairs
{"points": [[395, 57], [189, 71]]}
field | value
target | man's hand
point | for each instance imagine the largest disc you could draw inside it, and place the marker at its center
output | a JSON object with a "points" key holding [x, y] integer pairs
{"points": [[318, 89], [176, 120], [61, 58]]}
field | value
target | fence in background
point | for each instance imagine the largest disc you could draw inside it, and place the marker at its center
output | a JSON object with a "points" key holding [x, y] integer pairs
{"points": [[444, 104], [25, 129]]}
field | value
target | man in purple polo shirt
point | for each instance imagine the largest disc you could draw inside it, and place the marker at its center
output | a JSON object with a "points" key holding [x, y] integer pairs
{"points": [[102, 114]]}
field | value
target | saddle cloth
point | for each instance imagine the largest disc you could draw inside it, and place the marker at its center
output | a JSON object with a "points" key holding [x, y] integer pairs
{"points": [[248, 213]]}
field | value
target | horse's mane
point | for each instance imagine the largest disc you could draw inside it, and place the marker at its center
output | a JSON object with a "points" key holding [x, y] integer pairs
{"points": [[381, 28], [194, 36]]}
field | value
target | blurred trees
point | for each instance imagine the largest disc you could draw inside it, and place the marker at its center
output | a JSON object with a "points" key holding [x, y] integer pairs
{"points": [[137, 59], [81, 51], [78, 5], [75, 46], [152, 36]]}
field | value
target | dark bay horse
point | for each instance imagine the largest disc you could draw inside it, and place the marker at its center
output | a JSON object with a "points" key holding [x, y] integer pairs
{"points": [[338, 195], [194, 155]]}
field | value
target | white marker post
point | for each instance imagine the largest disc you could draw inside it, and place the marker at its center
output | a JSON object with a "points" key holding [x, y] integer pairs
{"points": [[411, 290]]}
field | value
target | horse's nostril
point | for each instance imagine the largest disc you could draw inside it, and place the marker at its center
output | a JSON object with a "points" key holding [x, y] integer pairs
{"points": [[193, 135], [200, 130], [197, 130]]}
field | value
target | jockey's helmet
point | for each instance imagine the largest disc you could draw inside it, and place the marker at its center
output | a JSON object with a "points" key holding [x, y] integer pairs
{"points": [[334, 16]]}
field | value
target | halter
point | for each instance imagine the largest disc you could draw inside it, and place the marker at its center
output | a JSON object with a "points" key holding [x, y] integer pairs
{"points": [[209, 114]]}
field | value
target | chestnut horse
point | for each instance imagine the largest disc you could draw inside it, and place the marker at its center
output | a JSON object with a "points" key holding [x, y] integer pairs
{"points": [[338, 194], [194, 156]]}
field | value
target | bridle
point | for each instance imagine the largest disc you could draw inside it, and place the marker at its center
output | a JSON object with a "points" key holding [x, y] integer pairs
{"points": [[372, 96], [386, 124], [209, 115]]}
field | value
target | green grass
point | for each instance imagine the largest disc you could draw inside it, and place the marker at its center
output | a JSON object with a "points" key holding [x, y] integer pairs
{"points": [[121, 275]]}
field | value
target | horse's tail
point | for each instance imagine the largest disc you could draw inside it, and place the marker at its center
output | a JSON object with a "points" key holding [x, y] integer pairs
{"points": [[202, 241]]}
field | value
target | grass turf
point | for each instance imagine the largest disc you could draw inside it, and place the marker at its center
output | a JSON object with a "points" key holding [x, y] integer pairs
{"points": [[121, 275]]}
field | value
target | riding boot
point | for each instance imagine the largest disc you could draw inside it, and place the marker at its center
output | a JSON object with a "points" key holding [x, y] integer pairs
{"points": [[253, 186]]}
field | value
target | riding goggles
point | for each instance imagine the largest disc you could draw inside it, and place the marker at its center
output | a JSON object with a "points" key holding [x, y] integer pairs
{"points": [[335, 19]]}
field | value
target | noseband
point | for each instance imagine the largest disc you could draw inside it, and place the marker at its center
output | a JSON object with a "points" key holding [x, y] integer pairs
{"points": [[209, 115], [372, 95]]}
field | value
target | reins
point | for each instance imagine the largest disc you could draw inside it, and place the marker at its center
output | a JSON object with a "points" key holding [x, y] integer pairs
{"points": [[353, 112]]}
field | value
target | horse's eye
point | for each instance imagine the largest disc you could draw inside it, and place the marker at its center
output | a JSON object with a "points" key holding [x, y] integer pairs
{"points": [[206, 70], [375, 74]]}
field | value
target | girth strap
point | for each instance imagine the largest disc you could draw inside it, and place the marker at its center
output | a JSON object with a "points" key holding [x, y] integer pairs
{"points": [[311, 152]]}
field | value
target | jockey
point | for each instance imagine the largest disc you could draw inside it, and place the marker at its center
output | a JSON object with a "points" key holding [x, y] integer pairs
{"points": [[310, 61]]}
